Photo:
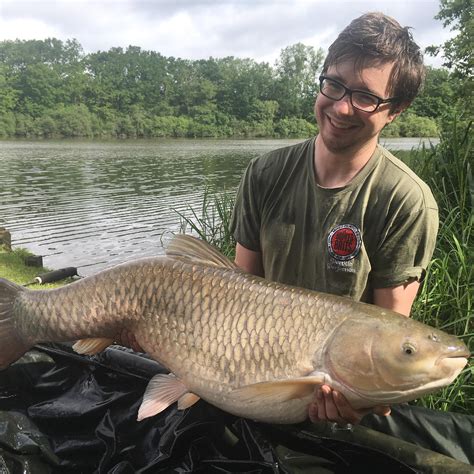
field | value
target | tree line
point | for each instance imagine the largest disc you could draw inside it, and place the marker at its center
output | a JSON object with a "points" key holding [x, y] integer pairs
{"points": [[51, 88]]}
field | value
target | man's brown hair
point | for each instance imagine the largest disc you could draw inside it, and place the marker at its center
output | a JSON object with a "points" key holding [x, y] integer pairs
{"points": [[375, 38]]}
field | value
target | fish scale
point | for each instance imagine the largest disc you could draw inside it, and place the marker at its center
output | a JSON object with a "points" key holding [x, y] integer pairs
{"points": [[252, 347]]}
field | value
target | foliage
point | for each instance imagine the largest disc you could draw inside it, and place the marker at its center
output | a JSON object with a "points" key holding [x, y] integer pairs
{"points": [[212, 222], [411, 125], [458, 51], [50, 88], [438, 94]]}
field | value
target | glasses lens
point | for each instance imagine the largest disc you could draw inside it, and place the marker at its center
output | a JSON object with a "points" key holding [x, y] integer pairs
{"points": [[332, 89], [364, 102]]}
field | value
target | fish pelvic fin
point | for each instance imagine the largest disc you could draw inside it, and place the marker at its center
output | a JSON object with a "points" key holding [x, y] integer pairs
{"points": [[92, 346], [278, 391], [12, 347], [187, 247], [187, 400], [162, 391]]}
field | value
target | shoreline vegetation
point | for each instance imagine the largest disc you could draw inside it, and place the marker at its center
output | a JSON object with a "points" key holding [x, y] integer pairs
{"points": [[52, 89]]}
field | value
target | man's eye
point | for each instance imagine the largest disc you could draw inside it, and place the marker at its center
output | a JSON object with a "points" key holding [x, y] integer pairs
{"points": [[364, 99], [333, 86]]}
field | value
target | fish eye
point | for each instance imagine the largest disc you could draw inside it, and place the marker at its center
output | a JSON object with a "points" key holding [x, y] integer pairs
{"points": [[408, 349]]}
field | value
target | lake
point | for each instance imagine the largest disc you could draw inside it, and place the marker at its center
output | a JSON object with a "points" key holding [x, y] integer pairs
{"points": [[91, 204]]}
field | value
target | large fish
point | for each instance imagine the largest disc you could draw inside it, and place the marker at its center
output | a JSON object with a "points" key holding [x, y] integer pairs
{"points": [[252, 347]]}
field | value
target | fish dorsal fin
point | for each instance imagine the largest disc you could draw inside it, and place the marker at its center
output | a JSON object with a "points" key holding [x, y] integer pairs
{"points": [[190, 248], [278, 391], [162, 391]]}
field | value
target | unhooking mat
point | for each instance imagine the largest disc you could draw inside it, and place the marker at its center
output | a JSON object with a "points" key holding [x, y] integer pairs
{"points": [[65, 413]]}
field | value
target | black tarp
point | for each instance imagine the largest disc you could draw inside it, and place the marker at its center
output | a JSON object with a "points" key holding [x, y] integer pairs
{"points": [[64, 413]]}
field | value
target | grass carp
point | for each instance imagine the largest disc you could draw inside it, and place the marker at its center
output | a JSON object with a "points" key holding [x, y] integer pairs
{"points": [[252, 347]]}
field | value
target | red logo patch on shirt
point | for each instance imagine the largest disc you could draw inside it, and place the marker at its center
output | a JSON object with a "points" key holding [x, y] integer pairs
{"points": [[344, 242]]}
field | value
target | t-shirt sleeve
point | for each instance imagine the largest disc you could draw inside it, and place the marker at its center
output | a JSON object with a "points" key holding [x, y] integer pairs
{"points": [[405, 250], [246, 216]]}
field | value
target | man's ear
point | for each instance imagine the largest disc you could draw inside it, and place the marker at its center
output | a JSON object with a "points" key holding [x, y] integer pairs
{"points": [[398, 110]]}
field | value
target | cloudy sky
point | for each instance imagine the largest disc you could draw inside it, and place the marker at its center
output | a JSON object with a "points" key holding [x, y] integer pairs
{"points": [[195, 29]]}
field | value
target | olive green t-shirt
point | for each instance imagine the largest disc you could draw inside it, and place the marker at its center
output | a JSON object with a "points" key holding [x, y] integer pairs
{"points": [[377, 231]]}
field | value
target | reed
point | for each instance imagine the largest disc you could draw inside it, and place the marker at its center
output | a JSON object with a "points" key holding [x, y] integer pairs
{"points": [[212, 221]]}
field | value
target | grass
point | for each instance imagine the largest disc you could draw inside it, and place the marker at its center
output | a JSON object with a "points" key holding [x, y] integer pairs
{"points": [[446, 297], [212, 221], [13, 268]]}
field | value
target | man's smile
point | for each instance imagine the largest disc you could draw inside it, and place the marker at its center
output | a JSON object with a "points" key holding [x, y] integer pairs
{"points": [[340, 124]]}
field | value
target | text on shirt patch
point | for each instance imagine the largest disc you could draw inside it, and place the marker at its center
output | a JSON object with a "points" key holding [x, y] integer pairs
{"points": [[344, 242]]}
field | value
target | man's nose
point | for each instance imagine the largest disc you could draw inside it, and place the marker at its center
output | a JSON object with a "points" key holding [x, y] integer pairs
{"points": [[344, 106]]}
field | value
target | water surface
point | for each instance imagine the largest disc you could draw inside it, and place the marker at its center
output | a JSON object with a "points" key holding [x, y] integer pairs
{"points": [[95, 204]]}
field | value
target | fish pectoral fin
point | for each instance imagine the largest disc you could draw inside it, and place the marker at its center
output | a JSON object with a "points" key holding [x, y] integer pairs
{"points": [[162, 391], [92, 346], [278, 391], [187, 400]]}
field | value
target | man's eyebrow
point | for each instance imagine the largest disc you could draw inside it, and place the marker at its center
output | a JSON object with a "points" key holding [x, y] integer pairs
{"points": [[361, 89]]}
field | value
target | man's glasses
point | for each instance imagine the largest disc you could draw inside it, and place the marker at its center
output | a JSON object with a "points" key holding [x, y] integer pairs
{"points": [[360, 100]]}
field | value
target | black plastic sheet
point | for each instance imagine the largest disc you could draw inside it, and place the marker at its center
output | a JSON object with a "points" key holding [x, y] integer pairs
{"points": [[64, 413]]}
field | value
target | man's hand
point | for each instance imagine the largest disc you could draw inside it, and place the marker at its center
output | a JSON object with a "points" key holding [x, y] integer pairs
{"points": [[330, 405]]}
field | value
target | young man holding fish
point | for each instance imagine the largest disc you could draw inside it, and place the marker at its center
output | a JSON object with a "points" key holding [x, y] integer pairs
{"points": [[338, 213]]}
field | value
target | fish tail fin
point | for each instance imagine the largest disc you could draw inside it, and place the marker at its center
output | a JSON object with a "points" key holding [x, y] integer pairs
{"points": [[11, 345]]}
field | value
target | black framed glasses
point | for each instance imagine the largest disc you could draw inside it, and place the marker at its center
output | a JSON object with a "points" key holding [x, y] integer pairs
{"points": [[365, 101]]}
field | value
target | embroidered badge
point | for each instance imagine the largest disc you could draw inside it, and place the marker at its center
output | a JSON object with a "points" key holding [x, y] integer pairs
{"points": [[344, 242]]}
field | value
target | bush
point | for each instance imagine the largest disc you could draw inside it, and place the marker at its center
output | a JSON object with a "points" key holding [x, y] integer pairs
{"points": [[73, 121], [411, 125], [293, 127], [46, 126], [7, 125], [24, 126], [392, 130], [170, 126]]}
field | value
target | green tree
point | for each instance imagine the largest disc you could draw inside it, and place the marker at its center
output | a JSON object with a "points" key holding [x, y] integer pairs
{"points": [[296, 80], [437, 96], [458, 52]]}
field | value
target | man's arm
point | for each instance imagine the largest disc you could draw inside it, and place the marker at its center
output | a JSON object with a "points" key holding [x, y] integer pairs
{"points": [[249, 260], [398, 298]]}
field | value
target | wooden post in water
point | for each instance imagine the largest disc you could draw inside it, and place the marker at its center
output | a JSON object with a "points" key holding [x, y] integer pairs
{"points": [[5, 238]]}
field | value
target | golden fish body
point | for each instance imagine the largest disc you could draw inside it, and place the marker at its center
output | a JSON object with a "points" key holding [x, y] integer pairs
{"points": [[252, 347]]}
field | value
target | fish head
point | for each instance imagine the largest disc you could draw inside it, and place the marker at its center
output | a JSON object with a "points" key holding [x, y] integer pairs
{"points": [[390, 358]]}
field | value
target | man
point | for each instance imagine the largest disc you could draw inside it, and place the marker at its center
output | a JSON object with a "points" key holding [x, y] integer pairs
{"points": [[338, 213]]}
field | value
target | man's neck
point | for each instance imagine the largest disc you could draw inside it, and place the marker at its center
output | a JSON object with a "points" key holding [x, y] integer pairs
{"points": [[337, 169]]}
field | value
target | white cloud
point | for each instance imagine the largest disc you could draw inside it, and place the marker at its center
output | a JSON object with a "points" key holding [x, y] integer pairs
{"points": [[203, 28]]}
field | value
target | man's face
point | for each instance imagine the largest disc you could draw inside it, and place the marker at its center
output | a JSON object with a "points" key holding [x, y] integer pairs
{"points": [[342, 127]]}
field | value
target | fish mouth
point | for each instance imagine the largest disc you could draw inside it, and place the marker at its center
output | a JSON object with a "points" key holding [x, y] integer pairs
{"points": [[454, 361]]}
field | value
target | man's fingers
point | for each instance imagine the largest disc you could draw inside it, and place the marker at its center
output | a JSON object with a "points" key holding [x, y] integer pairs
{"points": [[347, 414], [332, 412], [331, 405]]}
